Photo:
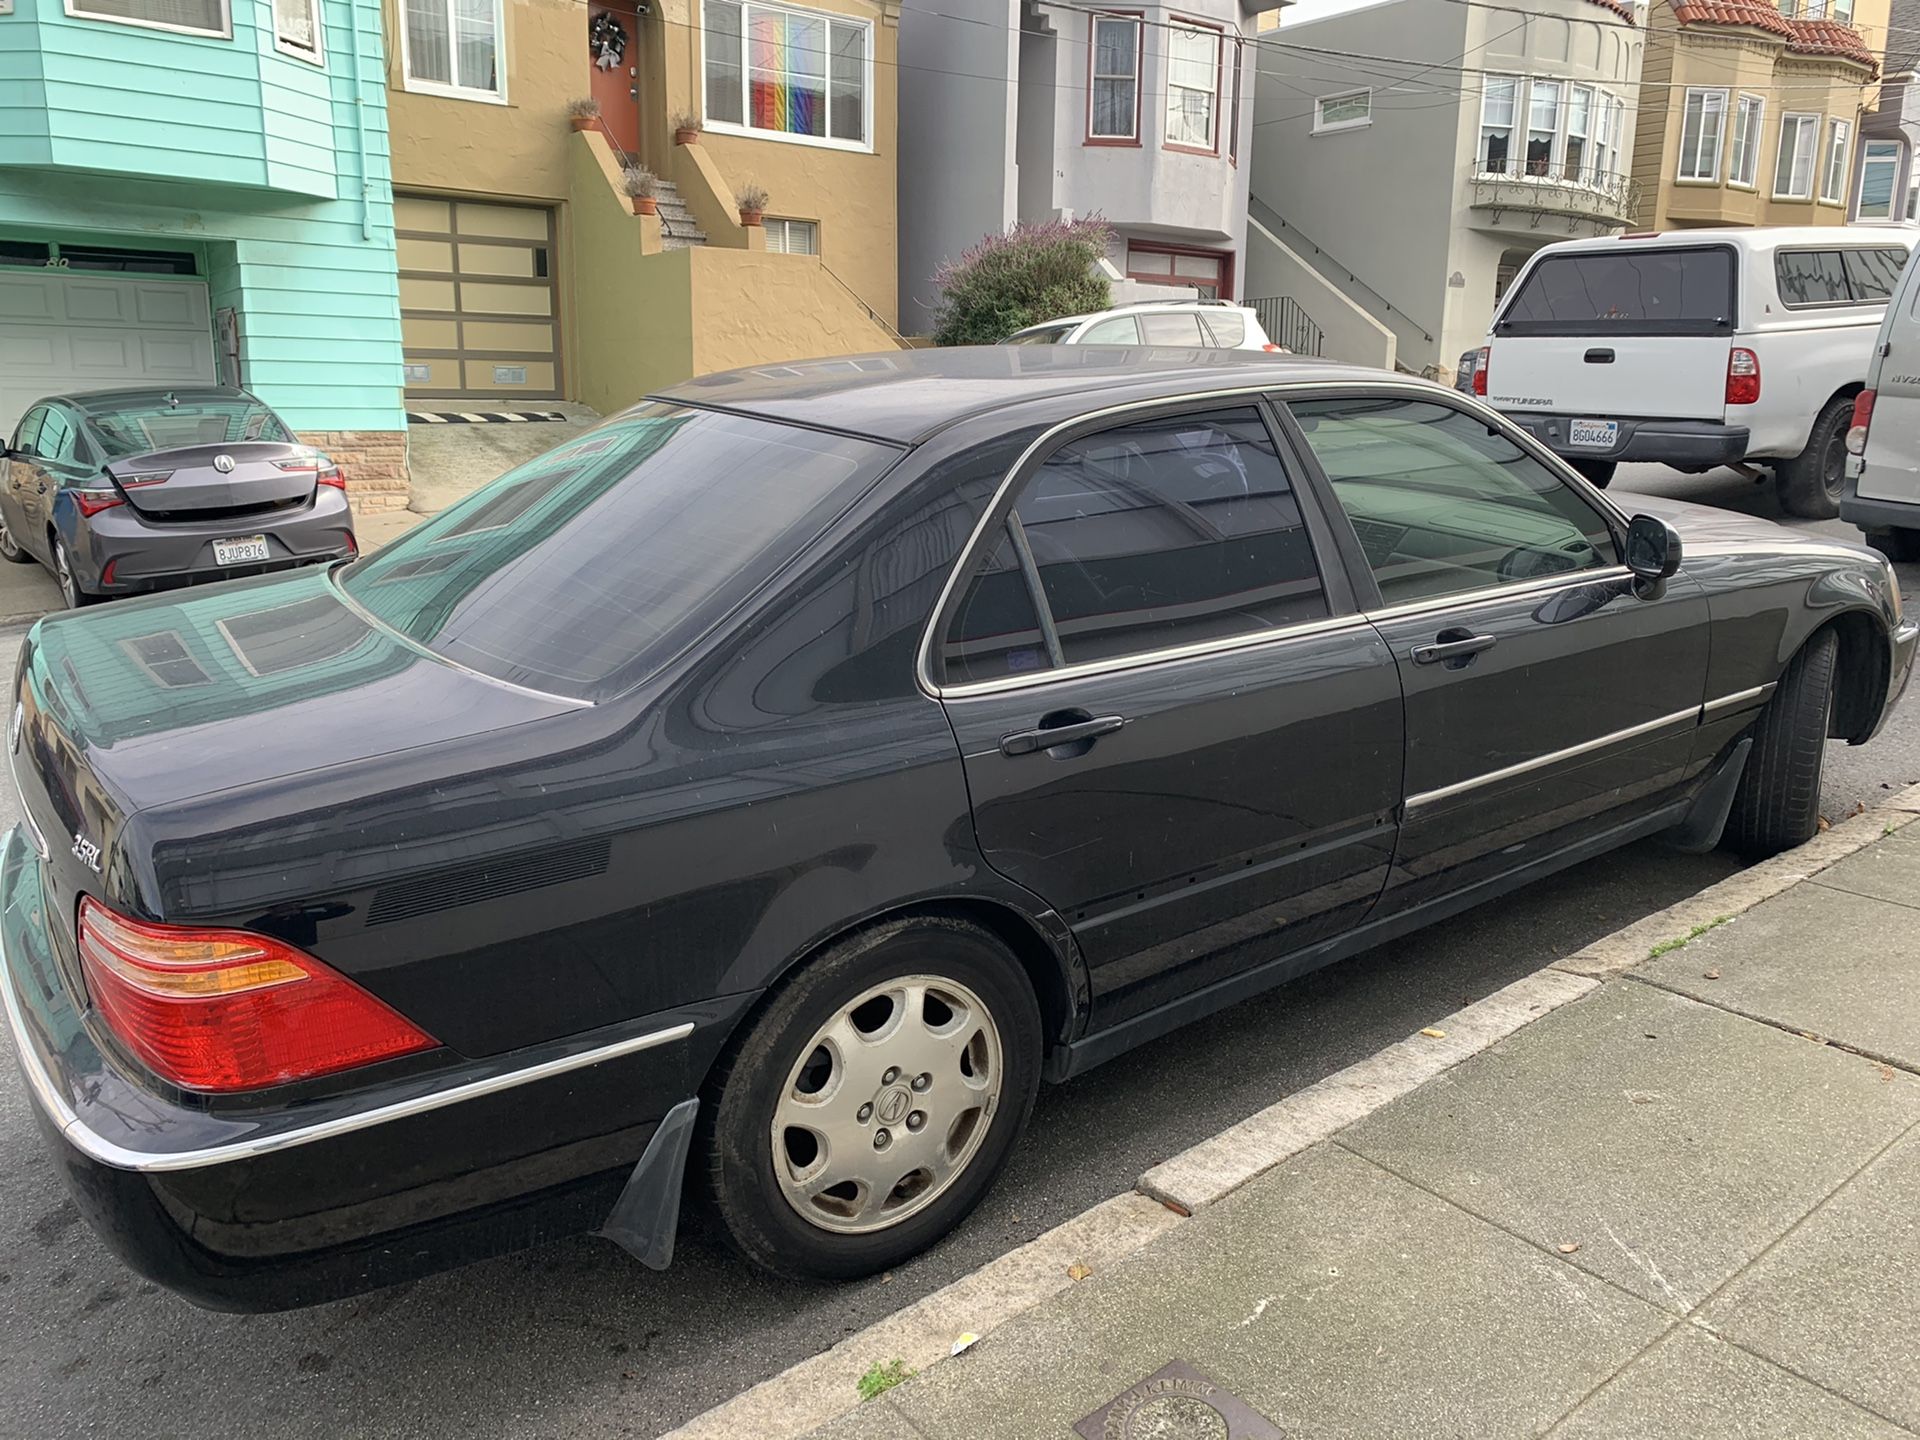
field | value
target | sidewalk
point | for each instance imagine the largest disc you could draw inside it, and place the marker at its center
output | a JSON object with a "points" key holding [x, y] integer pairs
{"points": [[1684, 1204]]}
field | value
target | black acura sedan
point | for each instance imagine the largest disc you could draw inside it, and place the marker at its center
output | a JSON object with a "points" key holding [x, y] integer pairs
{"points": [[758, 795]]}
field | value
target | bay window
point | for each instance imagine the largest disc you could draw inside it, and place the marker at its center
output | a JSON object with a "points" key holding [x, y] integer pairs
{"points": [[1793, 172], [1498, 102], [787, 73], [1193, 87], [1833, 185], [1879, 172], [1114, 92], [1702, 127], [1543, 126], [452, 47], [1748, 115], [1579, 125]]}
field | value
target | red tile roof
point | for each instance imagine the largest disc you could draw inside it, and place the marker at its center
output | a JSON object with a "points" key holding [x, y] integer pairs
{"points": [[1756, 13], [1830, 37], [1622, 8]]}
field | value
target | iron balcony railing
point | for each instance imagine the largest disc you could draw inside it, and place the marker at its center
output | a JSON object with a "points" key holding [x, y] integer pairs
{"points": [[1287, 325], [1548, 188]]}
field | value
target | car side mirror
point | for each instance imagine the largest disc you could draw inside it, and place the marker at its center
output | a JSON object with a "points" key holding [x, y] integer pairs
{"points": [[1653, 549]]}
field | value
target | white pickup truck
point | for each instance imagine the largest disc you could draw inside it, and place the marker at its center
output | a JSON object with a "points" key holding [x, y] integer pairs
{"points": [[1696, 349]]}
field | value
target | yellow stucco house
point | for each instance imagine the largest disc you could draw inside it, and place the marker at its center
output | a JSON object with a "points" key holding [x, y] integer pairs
{"points": [[525, 274], [1750, 110]]}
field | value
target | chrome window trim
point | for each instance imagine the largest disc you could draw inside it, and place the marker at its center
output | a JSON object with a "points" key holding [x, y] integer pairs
{"points": [[97, 1147], [1278, 394], [1691, 715]]}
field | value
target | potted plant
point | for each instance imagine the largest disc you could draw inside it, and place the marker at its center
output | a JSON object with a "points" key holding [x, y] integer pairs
{"points": [[686, 127], [640, 186], [584, 113], [752, 200]]}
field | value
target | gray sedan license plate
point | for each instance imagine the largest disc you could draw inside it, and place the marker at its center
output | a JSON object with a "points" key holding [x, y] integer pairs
{"points": [[1594, 434], [243, 550]]}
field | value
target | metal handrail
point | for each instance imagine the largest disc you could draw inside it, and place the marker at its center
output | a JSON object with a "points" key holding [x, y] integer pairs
{"points": [[872, 314], [1288, 325], [1274, 220]]}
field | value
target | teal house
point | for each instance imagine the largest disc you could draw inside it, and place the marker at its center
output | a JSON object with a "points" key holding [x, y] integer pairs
{"points": [[198, 190]]}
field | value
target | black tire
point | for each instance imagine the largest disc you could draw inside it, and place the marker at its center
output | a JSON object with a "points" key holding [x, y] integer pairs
{"points": [[735, 1140], [1778, 803], [1903, 545], [1597, 473], [1809, 484], [70, 588], [11, 549]]}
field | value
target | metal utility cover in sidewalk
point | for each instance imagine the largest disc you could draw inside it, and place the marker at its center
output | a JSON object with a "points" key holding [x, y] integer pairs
{"points": [[1177, 1402]]}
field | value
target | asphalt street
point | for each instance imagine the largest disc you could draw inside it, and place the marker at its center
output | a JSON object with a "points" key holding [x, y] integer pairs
{"points": [[578, 1340]]}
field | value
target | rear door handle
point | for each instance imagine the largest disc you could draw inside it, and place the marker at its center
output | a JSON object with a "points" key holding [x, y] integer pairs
{"points": [[1026, 742], [1599, 357], [1452, 645]]}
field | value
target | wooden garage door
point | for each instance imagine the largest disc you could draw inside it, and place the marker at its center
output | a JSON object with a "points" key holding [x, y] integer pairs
{"points": [[479, 299]]}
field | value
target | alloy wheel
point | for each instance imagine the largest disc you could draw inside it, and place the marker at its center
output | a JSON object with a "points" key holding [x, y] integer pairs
{"points": [[9, 547], [888, 1104], [63, 572]]}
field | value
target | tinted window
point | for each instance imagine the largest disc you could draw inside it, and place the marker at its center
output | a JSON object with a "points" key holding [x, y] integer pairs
{"points": [[1872, 274], [1040, 337], [996, 631], [1811, 277], [1648, 292], [1441, 505], [56, 441], [1118, 331], [1180, 327], [1229, 328], [136, 425], [27, 437], [1170, 532], [618, 549]]}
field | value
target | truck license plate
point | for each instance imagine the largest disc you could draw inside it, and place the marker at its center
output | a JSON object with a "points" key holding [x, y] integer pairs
{"points": [[243, 550], [1594, 434]]}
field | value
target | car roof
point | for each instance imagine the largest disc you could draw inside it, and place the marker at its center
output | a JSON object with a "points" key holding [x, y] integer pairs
{"points": [[91, 401], [908, 395], [1760, 240], [1128, 308]]}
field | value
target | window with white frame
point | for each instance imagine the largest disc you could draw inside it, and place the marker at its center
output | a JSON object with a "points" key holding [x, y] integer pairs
{"points": [[1749, 114], [1879, 173], [792, 237], [1579, 158], [1499, 102], [797, 74], [188, 17], [453, 47], [1793, 170], [1703, 124], [1193, 86], [1833, 183], [1113, 111], [1342, 112], [296, 28], [1603, 140], [1543, 126]]}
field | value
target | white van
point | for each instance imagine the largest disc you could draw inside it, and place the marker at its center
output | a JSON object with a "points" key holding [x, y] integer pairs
{"points": [[1697, 348], [1882, 494]]}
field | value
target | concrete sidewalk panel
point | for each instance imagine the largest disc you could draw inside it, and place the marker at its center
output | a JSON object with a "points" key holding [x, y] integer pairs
{"points": [[1671, 1141], [1817, 960], [1692, 1384], [1839, 1299], [1332, 1297], [1888, 870]]}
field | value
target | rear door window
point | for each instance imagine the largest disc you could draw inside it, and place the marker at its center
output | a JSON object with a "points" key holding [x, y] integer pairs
{"points": [[1169, 532], [1228, 327], [1625, 291], [57, 437], [1176, 327], [1120, 330]]}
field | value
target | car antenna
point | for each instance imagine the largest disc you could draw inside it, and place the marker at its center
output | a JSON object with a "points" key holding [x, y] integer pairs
{"points": [[173, 401]]}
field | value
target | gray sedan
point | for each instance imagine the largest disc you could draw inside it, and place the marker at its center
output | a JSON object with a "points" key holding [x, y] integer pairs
{"points": [[121, 491]]}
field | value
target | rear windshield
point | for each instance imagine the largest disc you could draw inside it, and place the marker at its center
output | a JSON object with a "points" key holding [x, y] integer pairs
{"points": [[583, 571], [1625, 292], [150, 423]]}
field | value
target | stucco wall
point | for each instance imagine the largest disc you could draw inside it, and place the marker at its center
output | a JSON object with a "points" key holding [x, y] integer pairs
{"points": [[1350, 334], [758, 309]]}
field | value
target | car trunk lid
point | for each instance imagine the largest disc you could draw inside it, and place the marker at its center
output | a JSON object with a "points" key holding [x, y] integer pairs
{"points": [[1626, 331], [206, 482]]}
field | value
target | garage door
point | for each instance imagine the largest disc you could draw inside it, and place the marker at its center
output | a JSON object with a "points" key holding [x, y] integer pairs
{"points": [[479, 306], [61, 332]]}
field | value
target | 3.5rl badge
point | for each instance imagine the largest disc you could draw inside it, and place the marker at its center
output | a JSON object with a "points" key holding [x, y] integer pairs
{"points": [[87, 852]]}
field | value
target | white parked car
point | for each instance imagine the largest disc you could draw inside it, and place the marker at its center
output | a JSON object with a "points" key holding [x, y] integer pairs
{"points": [[1882, 492], [1695, 349], [1208, 324]]}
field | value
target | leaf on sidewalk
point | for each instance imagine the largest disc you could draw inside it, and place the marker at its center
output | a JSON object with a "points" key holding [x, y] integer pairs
{"points": [[1886, 1073], [1569, 1247], [1077, 1271], [1433, 1034], [1825, 824], [1710, 975]]}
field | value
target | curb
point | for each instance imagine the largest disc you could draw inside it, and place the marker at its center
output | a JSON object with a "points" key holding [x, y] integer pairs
{"points": [[822, 1388]]}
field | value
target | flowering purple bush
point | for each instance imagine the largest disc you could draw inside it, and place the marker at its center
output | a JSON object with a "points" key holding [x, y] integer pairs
{"points": [[1031, 273]]}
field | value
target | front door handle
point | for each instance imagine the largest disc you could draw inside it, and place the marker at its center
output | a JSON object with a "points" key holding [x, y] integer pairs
{"points": [[1049, 737], [1456, 647]]}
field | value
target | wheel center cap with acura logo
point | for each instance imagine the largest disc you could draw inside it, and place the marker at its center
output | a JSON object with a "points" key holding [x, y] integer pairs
{"points": [[223, 463], [893, 1105]]}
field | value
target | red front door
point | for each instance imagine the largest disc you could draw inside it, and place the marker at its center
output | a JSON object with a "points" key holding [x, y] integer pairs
{"points": [[613, 51]]}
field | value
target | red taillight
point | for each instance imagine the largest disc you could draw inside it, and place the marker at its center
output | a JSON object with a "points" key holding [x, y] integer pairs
{"points": [[1743, 377], [225, 1010], [92, 502], [1862, 421], [1272, 349], [334, 476], [1480, 363]]}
